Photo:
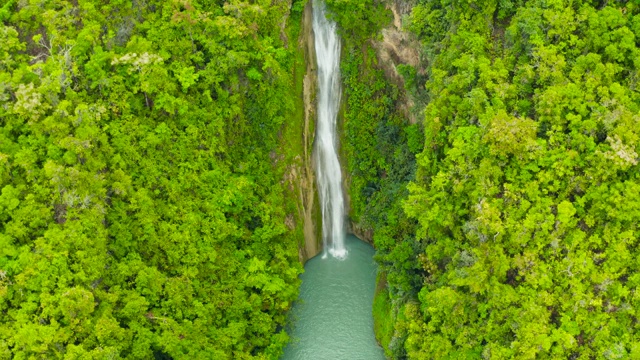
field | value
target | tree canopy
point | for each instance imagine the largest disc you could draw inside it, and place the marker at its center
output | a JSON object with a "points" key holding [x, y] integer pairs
{"points": [[141, 214], [144, 209], [518, 235]]}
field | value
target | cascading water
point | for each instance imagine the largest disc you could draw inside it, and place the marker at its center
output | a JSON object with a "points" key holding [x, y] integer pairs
{"points": [[332, 319], [327, 45]]}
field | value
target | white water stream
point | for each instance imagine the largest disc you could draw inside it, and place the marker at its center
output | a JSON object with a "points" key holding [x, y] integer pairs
{"points": [[327, 45], [332, 319]]}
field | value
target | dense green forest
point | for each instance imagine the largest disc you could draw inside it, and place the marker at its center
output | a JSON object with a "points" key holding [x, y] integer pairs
{"points": [[141, 214], [527, 188], [144, 143], [518, 235]]}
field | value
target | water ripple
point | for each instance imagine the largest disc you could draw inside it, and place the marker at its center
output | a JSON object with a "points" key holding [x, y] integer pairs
{"points": [[332, 318]]}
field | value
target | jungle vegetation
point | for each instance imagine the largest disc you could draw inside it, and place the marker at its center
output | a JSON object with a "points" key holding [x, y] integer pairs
{"points": [[142, 212], [518, 236]]}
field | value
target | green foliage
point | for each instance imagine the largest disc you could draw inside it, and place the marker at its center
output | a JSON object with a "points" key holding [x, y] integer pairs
{"points": [[383, 316], [5, 10], [523, 195], [141, 215], [358, 20], [380, 163], [525, 190]]}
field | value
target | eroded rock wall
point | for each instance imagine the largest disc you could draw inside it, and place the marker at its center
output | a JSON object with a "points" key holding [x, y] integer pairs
{"points": [[301, 174], [399, 47]]}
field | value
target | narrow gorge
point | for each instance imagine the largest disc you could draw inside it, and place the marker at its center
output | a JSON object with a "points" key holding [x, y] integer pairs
{"points": [[332, 318]]}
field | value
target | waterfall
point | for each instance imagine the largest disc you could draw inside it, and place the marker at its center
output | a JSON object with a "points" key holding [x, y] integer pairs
{"points": [[328, 170]]}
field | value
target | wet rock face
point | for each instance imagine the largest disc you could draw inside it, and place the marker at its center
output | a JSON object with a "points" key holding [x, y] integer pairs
{"points": [[300, 177], [399, 47], [308, 206], [360, 232]]}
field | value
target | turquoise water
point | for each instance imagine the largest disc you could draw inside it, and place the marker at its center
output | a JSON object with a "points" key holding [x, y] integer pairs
{"points": [[332, 318]]}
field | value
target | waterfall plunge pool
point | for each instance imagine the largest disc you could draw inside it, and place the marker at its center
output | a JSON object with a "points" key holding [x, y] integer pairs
{"points": [[332, 318]]}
